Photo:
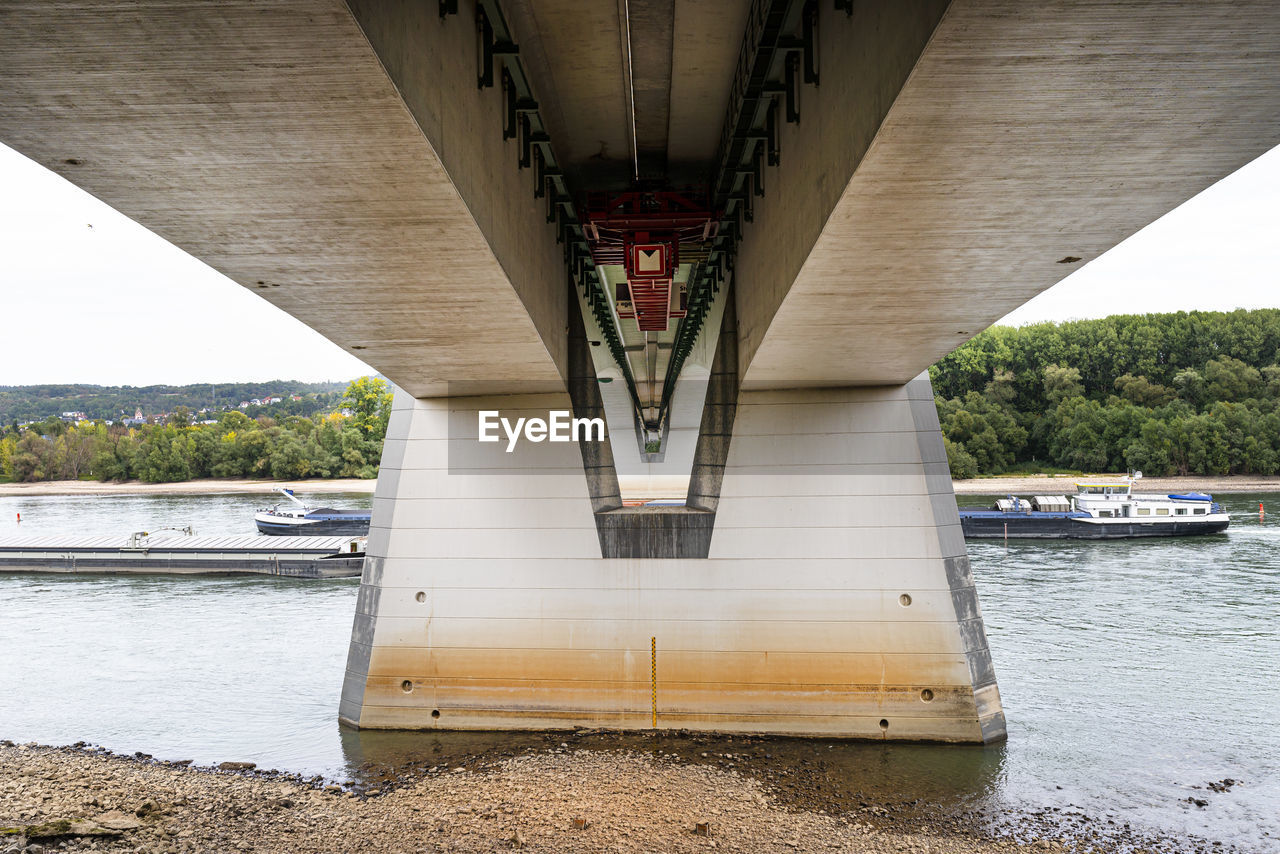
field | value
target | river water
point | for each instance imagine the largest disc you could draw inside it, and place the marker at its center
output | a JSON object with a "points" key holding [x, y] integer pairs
{"points": [[1133, 674]]}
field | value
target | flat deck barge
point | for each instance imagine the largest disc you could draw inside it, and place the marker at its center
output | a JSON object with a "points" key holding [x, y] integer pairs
{"points": [[1099, 511], [291, 557]]}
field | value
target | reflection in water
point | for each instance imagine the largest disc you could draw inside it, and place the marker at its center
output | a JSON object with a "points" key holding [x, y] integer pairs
{"points": [[1133, 673]]}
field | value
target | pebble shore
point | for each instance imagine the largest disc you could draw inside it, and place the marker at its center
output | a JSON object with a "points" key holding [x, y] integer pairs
{"points": [[563, 800]]}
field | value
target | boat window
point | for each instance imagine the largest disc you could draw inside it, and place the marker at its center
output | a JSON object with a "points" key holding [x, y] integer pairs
{"points": [[1162, 511], [1104, 514], [1144, 511], [1181, 511], [1199, 511]]}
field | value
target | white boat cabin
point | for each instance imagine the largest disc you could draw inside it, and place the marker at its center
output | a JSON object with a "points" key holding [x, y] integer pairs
{"points": [[1117, 500], [1097, 501]]}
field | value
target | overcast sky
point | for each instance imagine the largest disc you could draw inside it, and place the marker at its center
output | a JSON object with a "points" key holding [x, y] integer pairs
{"points": [[91, 297]]}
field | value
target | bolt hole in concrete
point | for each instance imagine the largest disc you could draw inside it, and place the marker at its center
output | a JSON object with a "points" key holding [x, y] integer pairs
{"points": [[420, 596], [73, 161], [406, 686], [884, 724], [435, 713], [904, 600], [926, 695]]}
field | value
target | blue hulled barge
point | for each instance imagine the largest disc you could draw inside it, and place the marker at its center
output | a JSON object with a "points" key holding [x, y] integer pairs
{"points": [[1100, 510]]}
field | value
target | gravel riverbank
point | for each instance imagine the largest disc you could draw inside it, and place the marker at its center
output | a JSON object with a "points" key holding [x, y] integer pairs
{"points": [[566, 799]]}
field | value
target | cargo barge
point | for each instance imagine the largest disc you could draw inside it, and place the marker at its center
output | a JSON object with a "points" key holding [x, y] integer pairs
{"points": [[1100, 510], [185, 554]]}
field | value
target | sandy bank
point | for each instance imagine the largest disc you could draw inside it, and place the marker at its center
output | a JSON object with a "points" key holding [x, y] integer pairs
{"points": [[188, 487], [567, 800], [1060, 484]]}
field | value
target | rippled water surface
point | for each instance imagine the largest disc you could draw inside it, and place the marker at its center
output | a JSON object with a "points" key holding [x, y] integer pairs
{"points": [[1133, 673]]}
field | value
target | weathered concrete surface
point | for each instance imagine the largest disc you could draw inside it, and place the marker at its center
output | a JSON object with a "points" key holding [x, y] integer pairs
{"points": [[269, 141], [683, 54], [846, 495], [340, 160], [486, 603], [1025, 133], [715, 428], [491, 525]]}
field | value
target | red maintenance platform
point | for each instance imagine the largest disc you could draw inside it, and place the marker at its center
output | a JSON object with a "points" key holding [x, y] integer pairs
{"points": [[644, 232]]}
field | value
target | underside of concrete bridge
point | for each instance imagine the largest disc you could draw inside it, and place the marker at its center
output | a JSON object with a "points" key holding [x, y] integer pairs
{"points": [[741, 230]]}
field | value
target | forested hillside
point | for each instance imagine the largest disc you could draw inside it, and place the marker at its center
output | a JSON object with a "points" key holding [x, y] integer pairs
{"points": [[1185, 393], [345, 441], [36, 402]]}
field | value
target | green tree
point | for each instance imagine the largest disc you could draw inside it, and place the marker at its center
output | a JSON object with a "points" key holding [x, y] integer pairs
{"points": [[1184, 392], [962, 464], [1061, 383], [1150, 452], [1190, 385], [1142, 391], [330, 445], [8, 445], [254, 450], [34, 458], [225, 459], [1230, 379], [114, 455], [1001, 390], [1271, 377], [235, 421], [370, 403], [289, 460]]}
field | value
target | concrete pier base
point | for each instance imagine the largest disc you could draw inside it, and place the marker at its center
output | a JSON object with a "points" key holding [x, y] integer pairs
{"points": [[836, 599]]}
